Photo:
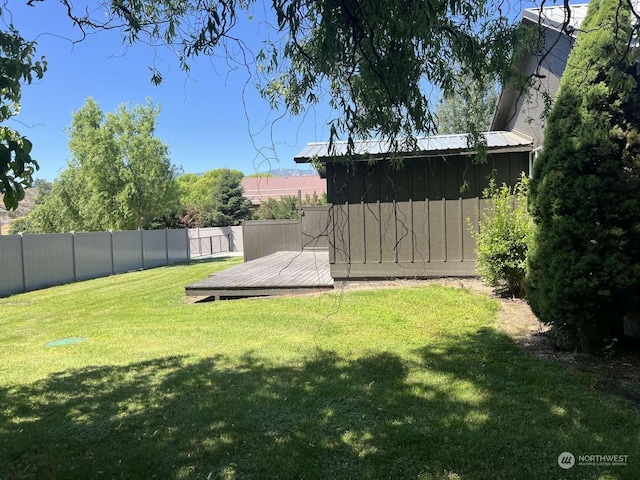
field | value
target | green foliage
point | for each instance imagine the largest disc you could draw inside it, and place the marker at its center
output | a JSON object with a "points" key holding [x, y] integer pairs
{"points": [[261, 175], [375, 62], [229, 205], [584, 269], [469, 108], [278, 209], [120, 177], [503, 236], [314, 199], [22, 225], [196, 190], [287, 206], [201, 197], [17, 67]]}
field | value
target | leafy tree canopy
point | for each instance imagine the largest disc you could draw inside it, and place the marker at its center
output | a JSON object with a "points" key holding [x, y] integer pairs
{"points": [[119, 178], [18, 66], [214, 198], [377, 62], [196, 190], [468, 109]]}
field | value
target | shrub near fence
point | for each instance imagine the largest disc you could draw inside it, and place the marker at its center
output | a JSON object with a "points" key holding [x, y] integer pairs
{"points": [[29, 262]]}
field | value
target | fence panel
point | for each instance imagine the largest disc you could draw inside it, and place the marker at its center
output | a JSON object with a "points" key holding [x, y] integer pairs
{"points": [[315, 225], [236, 241], [127, 251], [154, 244], [11, 272], [210, 240], [31, 262], [48, 260], [93, 255], [264, 237], [178, 246]]}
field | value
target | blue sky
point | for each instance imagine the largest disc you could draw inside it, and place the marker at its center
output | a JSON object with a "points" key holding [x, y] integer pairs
{"points": [[211, 118]]}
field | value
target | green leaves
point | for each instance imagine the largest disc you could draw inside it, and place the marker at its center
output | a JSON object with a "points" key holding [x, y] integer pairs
{"points": [[376, 63], [120, 177], [469, 108], [16, 166], [503, 237], [17, 67], [584, 272]]}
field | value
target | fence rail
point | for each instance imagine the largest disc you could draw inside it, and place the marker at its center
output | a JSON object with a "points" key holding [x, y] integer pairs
{"points": [[30, 262]]}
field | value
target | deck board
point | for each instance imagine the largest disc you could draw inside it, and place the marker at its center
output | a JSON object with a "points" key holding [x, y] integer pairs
{"points": [[276, 274]]}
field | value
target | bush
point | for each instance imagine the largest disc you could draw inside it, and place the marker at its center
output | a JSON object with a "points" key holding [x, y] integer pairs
{"points": [[502, 238], [584, 269]]}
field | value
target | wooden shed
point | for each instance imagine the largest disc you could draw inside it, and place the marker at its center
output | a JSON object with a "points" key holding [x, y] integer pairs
{"points": [[409, 219]]}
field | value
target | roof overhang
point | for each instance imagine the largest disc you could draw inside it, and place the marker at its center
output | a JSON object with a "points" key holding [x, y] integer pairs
{"points": [[426, 147]]}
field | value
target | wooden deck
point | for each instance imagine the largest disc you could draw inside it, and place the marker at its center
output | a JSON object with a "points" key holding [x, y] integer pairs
{"points": [[280, 273]]}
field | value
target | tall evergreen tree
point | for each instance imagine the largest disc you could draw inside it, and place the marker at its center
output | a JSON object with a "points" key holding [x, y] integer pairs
{"points": [[230, 206], [584, 269]]}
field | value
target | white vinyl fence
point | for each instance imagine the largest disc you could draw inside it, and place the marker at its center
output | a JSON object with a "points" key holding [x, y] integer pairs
{"points": [[207, 241], [30, 262]]}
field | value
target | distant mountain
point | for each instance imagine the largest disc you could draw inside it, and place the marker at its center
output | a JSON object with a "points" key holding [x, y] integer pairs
{"points": [[292, 172], [24, 207], [282, 172]]}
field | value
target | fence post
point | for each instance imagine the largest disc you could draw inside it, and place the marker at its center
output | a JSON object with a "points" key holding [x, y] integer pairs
{"points": [[188, 240], [113, 261], [166, 243], [24, 271], [73, 251], [244, 250], [142, 246]]}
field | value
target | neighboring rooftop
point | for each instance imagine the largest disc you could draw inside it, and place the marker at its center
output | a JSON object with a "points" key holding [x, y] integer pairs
{"points": [[258, 189], [436, 145]]}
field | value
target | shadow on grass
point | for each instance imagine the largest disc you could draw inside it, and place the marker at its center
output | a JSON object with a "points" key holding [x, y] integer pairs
{"points": [[471, 408]]}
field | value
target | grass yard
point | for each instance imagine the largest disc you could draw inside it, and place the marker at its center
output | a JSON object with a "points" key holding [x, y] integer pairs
{"points": [[412, 383]]}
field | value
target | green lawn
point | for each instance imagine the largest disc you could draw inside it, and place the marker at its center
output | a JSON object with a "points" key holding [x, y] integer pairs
{"points": [[412, 383]]}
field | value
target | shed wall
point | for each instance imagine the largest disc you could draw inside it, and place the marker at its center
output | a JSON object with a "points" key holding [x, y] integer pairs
{"points": [[410, 221]]}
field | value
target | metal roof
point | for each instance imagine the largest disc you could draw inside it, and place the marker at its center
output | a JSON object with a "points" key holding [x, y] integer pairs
{"points": [[555, 17], [426, 146]]}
